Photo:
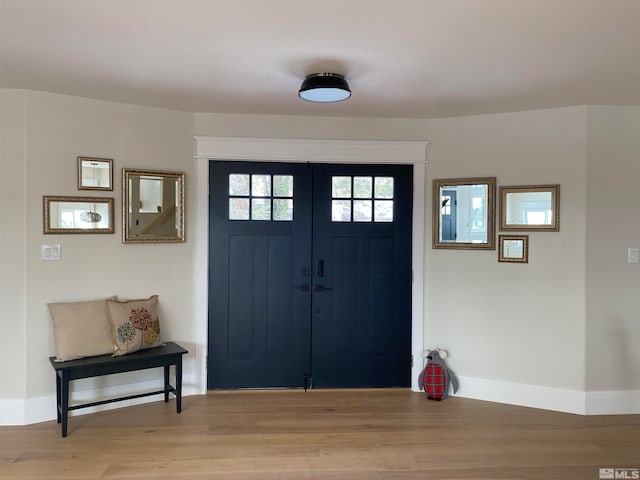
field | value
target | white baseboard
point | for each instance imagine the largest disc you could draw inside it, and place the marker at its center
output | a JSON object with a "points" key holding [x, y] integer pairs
{"points": [[12, 412], [624, 402], [43, 409], [39, 409], [524, 395]]}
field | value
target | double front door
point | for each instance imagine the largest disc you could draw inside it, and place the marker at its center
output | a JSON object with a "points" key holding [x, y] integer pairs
{"points": [[309, 275]]}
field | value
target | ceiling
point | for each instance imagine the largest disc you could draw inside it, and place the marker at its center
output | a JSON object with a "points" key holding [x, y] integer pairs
{"points": [[402, 58]]}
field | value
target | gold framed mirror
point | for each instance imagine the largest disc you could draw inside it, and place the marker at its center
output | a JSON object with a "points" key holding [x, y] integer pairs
{"points": [[152, 206], [95, 173], [530, 208], [77, 214], [513, 248], [464, 213]]}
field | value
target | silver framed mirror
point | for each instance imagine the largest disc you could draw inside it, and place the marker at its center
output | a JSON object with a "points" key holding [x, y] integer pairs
{"points": [[530, 208], [95, 173], [464, 213], [152, 206], [77, 214], [513, 248]]}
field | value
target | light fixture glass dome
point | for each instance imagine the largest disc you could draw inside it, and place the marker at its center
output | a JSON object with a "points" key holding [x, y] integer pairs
{"points": [[324, 88]]}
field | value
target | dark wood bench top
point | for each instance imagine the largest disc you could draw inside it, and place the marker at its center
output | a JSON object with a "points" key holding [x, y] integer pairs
{"points": [[106, 363]]}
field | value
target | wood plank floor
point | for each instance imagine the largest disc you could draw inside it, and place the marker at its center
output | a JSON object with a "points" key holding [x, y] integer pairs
{"points": [[324, 435]]}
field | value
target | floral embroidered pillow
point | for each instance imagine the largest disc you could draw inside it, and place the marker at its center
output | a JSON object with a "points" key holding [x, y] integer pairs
{"points": [[135, 325]]}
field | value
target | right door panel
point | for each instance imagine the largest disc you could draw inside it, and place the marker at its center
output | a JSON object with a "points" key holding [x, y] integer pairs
{"points": [[361, 300]]}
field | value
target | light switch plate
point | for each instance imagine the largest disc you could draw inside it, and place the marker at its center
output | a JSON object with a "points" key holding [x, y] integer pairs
{"points": [[50, 253], [632, 255]]}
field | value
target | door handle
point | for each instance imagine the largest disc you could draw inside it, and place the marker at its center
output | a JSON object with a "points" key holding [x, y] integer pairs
{"points": [[304, 287], [321, 288], [319, 268]]}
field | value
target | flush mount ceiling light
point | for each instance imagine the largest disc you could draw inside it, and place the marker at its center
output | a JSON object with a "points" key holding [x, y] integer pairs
{"points": [[324, 87]]}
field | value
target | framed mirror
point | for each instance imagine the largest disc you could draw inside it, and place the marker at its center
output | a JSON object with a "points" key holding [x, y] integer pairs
{"points": [[95, 173], [513, 248], [77, 214], [152, 206], [530, 208], [464, 213]]}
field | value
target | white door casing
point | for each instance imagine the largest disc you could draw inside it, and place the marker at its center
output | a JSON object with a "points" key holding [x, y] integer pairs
{"points": [[315, 151]]}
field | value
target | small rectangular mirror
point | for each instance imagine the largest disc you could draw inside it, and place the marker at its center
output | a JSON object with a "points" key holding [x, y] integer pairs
{"points": [[530, 208], [463, 213], [513, 248], [95, 173], [77, 214], [152, 206]]}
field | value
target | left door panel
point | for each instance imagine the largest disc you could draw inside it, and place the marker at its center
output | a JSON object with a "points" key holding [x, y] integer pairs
{"points": [[259, 305]]}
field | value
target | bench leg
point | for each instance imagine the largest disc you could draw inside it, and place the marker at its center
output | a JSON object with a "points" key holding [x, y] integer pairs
{"points": [[64, 401], [166, 383], [58, 396], [179, 384]]}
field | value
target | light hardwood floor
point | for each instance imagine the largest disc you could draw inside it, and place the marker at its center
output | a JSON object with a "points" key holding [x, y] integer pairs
{"points": [[324, 435]]}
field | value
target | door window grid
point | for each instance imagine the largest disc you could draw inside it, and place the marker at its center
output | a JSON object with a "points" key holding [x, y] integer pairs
{"points": [[362, 199], [260, 197], [446, 204]]}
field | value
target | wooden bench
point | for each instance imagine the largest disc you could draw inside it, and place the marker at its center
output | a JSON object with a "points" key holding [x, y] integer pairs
{"points": [[165, 356]]}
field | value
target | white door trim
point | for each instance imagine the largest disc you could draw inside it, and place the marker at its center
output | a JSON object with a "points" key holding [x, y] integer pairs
{"points": [[302, 151]]}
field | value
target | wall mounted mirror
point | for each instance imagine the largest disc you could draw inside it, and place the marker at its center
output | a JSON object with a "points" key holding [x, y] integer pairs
{"points": [[95, 173], [77, 214], [530, 207], [152, 206], [463, 213], [513, 248]]}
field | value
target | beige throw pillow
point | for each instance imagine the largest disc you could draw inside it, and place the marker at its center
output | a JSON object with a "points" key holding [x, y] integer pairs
{"points": [[135, 325], [81, 329]]}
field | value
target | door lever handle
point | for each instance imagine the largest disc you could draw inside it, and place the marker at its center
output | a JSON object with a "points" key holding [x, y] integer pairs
{"points": [[321, 288], [304, 287], [319, 268]]}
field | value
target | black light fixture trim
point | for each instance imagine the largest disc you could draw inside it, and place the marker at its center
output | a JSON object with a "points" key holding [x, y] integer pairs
{"points": [[324, 87]]}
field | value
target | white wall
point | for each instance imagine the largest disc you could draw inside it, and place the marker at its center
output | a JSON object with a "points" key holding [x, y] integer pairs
{"points": [[516, 324], [613, 285], [12, 240], [58, 129], [324, 128], [518, 333]]}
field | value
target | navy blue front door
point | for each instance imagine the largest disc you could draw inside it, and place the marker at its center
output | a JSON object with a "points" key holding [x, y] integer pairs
{"points": [[362, 294], [448, 207], [309, 275]]}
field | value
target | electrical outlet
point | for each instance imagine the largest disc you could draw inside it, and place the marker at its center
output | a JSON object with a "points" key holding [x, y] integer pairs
{"points": [[50, 253]]}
